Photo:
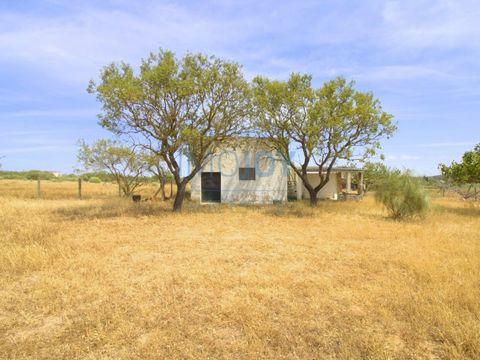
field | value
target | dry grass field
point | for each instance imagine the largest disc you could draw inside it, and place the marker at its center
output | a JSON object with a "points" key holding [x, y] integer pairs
{"points": [[56, 190], [106, 278]]}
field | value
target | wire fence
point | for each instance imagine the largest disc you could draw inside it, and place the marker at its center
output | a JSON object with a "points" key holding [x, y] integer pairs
{"points": [[55, 190]]}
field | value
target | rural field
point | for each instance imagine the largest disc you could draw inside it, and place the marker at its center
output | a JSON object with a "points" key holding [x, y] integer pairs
{"points": [[108, 278]]}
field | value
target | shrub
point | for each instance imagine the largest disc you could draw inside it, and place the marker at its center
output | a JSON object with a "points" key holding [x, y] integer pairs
{"points": [[94, 180], [27, 175], [402, 194], [68, 177]]}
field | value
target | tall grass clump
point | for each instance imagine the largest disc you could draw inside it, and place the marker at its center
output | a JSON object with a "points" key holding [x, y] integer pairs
{"points": [[402, 194]]}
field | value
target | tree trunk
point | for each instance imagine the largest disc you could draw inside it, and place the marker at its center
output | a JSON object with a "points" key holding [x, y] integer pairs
{"points": [[162, 189], [313, 197], [311, 190], [179, 196], [126, 188]]}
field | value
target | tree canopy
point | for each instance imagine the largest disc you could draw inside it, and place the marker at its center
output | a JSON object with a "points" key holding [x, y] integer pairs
{"points": [[466, 171], [123, 162], [192, 105], [329, 124], [464, 175], [173, 106]]}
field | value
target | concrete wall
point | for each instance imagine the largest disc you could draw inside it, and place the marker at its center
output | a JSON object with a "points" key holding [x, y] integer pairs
{"points": [[327, 192], [271, 174]]}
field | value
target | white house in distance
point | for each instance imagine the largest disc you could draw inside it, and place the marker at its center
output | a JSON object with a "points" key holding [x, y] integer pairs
{"points": [[249, 171]]}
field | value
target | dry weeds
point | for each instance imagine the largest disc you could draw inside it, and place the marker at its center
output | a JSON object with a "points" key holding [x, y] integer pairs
{"points": [[106, 278]]}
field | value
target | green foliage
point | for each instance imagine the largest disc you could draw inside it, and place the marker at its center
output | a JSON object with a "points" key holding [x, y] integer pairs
{"points": [[402, 194], [373, 173], [332, 123], [103, 176], [68, 177], [465, 172], [172, 105], [124, 163], [94, 180], [30, 175], [46, 175]]}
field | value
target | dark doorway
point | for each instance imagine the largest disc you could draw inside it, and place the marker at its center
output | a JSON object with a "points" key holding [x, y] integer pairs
{"points": [[211, 187]]}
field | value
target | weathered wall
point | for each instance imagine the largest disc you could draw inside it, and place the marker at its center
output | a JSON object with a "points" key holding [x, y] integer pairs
{"points": [[327, 192], [270, 182]]}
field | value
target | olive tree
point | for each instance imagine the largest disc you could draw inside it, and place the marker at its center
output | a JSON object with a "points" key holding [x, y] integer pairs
{"points": [[126, 164], [173, 106], [464, 173], [325, 125]]}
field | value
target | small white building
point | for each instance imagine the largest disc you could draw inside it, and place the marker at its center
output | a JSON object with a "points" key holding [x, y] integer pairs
{"points": [[247, 172], [250, 171]]}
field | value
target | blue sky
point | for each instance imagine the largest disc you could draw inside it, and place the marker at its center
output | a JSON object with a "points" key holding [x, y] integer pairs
{"points": [[420, 58]]}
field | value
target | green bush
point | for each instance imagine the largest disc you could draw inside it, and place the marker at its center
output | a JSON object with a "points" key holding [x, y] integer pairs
{"points": [[403, 195], [94, 180], [69, 177]]}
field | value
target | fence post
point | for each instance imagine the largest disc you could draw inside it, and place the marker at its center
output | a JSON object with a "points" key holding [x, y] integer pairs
{"points": [[39, 189], [80, 188]]}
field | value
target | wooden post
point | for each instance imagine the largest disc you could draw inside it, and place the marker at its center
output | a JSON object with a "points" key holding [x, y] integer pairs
{"points": [[299, 185], [339, 183], [80, 188], [360, 184], [39, 188], [349, 182]]}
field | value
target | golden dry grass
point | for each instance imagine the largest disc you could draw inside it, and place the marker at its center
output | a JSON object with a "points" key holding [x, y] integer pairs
{"points": [[106, 278]]}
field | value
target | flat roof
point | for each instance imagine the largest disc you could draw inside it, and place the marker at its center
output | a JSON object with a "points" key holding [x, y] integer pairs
{"points": [[314, 169]]}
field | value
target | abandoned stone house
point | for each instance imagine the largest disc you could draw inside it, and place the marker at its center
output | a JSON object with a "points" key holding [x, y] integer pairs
{"points": [[251, 172]]}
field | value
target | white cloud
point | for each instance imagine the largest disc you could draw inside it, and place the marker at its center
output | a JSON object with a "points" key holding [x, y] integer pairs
{"points": [[74, 47], [441, 23], [269, 37], [401, 157]]}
